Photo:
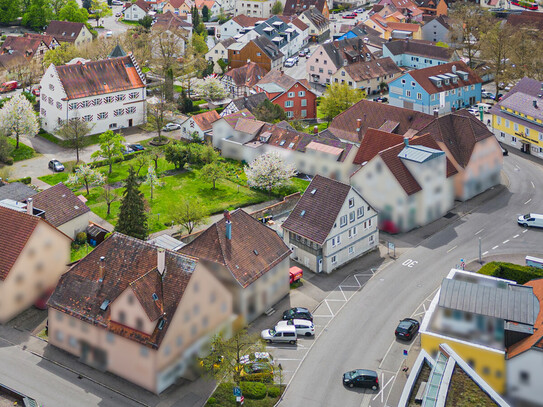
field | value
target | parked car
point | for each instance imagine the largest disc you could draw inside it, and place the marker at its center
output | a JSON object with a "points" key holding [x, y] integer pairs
{"points": [[117, 3], [531, 219], [118, 14], [257, 372], [307, 51], [361, 378], [171, 127], [303, 326], [8, 86], [36, 92], [381, 99], [109, 34], [41, 303], [349, 16], [127, 149], [301, 54], [290, 62], [297, 313], [281, 334], [474, 111], [407, 329], [136, 147], [56, 165], [488, 95], [295, 274]]}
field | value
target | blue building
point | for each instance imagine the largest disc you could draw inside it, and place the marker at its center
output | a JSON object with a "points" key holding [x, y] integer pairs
{"points": [[418, 54], [442, 88]]}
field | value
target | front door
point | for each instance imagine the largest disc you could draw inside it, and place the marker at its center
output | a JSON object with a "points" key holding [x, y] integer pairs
{"points": [[319, 265], [129, 122]]}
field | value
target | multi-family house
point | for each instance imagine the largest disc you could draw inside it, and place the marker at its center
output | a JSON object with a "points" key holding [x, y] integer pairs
{"points": [[199, 124], [261, 51], [238, 25], [407, 8], [249, 258], [517, 119], [443, 88], [107, 94], [297, 7], [283, 35], [255, 8], [138, 311], [393, 30], [330, 225], [50, 41], [33, 48], [66, 31], [408, 182], [301, 28], [238, 127], [219, 52], [16, 191], [249, 102], [136, 11], [433, 7], [295, 96], [34, 256], [319, 26], [329, 57], [480, 317], [213, 6], [240, 81], [371, 76], [179, 7], [416, 54], [372, 38], [438, 29]]}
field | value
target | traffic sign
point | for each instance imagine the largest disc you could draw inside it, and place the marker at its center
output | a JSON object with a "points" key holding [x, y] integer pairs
{"points": [[405, 352], [242, 400], [237, 392]]}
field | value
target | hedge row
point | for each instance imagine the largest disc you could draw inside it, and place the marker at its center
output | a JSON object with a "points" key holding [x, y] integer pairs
{"points": [[254, 390], [25, 180], [510, 271], [102, 163]]}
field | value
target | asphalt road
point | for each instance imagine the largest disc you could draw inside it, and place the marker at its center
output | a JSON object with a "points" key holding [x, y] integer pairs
{"points": [[361, 335]]}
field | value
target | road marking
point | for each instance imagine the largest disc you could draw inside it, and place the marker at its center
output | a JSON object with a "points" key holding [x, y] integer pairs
{"points": [[286, 359], [451, 249], [330, 309], [333, 299], [514, 237], [528, 201], [495, 247], [344, 296], [384, 357], [323, 316], [505, 241], [479, 232], [533, 186], [485, 253], [525, 230], [518, 168], [383, 387]]}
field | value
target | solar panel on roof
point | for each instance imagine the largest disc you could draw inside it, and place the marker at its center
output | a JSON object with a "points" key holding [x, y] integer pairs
{"points": [[104, 305]]}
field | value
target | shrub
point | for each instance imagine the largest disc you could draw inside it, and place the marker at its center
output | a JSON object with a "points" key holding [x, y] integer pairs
{"points": [[274, 391], [211, 402], [8, 161], [126, 157], [253, 390], [81, 237], [25, 180], [510, 271]]}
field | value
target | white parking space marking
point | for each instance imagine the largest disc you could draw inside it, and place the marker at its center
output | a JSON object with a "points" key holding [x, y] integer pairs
{"points": [[495, 247], [451, 249], [382, 389], [329, 307], [479, 231], [528, 201], [514, 237], [525, 230], [485, 253], [533, 185], [505, 241]]}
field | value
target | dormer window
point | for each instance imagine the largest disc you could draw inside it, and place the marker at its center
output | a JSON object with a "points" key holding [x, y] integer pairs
{"points": [[438, 83]]}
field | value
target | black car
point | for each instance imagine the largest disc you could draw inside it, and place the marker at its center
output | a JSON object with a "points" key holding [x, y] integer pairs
{"points": [[361, 378], [505, 151], [56, 165], [136, 147], [407, 329], [381, 99], [297, 313]]}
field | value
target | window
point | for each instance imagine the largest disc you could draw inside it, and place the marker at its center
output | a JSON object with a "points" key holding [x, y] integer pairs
{"points": [[290, 115], [371, 239], [342, 73], [193, 330], [118, 98], [97, 102], [527, 131], [108, 99], [110, 337], [369, 223], [258, 54], [352, 216], [502, 134], [131, 299], [516, 126], [291, 94], [59, 106], [498, 120], [351, 249], [133, 95], [289, 103], [102, 116], [360, 212], [304, 113], [196, 287], [205, 321], [130, 110], [343, 220], [351, 202], [513, 139], [419, 96], [167, 350], [524, 377], [506, 123], [51, 86], [72, 341], [413, 84], [196, 309], [304, 102], [334, 260], [122, 317], [50, 100], [312, 68], [321, 70], [472, 87], [301, 93], [118, 112], [43, 112], [87, 118], [408, 93], [403, 81]]}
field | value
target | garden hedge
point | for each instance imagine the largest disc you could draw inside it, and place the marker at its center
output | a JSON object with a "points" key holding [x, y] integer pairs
{"points": [[510, 271], [254, 390]]}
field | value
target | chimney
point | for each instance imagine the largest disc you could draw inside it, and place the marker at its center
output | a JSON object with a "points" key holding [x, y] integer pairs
{"points": [[358, 124], [406, 141], [436, 113], [228, 225], [102, 269], [535, 103], [315, 129], [30, 206], [248, 61], [161, 260]]}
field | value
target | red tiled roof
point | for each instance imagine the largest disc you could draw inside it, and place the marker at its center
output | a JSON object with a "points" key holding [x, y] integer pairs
{"points": [[60, 204], [246, 21], [25, 45], [373, 142], [403, 26], [421, 76], [100, 77], [47, 39], [66, 31], [294, 20], [253, 250], [283, 80], [247, 75], [206, 119]]}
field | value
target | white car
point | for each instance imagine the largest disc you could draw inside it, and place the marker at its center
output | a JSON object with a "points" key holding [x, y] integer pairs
{"points": [[290, 62], [171, 126], [109, 34], [303, 326], [474, 111]]}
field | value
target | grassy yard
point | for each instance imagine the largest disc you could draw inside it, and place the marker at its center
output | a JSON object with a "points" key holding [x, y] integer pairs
{"points": [[78, 252], [89, 140], [24, 152]]}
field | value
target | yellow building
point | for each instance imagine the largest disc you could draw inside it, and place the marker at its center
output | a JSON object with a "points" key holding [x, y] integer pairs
{"points": [[470, 313]]}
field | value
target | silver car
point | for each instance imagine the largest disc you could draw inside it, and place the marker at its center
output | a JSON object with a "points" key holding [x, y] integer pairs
{"points": [[281, 334]]}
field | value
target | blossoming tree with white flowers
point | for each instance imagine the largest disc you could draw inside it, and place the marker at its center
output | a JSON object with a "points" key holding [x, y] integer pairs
{"points": [[269, 171], [18, 118]]}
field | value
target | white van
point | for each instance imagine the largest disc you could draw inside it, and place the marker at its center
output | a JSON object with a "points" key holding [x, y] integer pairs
{"points": [[531, 219], [486, 107], [280, 334]]}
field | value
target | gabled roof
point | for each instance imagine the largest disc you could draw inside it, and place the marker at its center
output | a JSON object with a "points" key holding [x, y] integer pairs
{"points": [[144, 5], [47, 39], [233, 118], [66, 31], [129, 263], [419, 48], [350, 49], [268, 47], [459, 131], [178, 3], [60, 204], [292, 19], [25, 45], [392, 26], [248, 125], [295, 7], [201, 3], [206, 119], [253, 250], [316, 18], [373, 142], [247, 75], [16, 191], [250, 102], [526, 86], [282, 81], [171, 21], [227, 42], [100, 77], [246, 21], [422, 76], [360, 71], [444, 21], [314, 215]]}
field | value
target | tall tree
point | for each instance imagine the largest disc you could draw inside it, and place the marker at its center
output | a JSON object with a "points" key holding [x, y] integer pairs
{"points": [[188, 213], [269, 171], [140, 161], [9, 10], [193, 63], [199, 43], [109, 195], [156, 114], [277, 8], [176, 154], [269, 112], [155, 153], [72, 12], [100, 9], [17, 118], [205, 14], [111, 147], [211, 88], [26, 73], [60, 55], [195, 18], [132, 219], [85, 176], [213, 172], [146, 22], [37, 15], [74, 131], [57, 5], [337, 98]]}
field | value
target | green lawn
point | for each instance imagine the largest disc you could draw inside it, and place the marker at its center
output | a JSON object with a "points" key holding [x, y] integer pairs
{"points": [[89, 140], [54, 179], [24, 152], [78, 252]]}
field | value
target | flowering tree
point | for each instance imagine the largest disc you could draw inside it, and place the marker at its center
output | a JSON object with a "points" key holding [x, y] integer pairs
{"points": [[17, 117], [211, 88], [152, 180], [269, 171], [87, 176]]}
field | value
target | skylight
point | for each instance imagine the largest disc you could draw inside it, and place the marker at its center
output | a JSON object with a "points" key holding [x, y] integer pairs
{"points": [[313, 191], [302, 213], [104, 305], [155, 297]]}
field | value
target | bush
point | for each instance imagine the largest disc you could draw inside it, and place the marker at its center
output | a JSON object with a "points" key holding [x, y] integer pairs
{"points": [[81, 237], [25, 180], [8, 161], [510, 271], [211, 402], [253, 390], [126, 157], [274, 391]]}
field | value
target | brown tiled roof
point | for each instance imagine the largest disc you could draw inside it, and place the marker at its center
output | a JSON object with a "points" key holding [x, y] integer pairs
{"points": [[316, 18], [320, 209], [249, 126], [170, 20], [66, 31], [531, 19], [422, 77], [283, 80], [373, 142], [295, 7], [100, 77], [459, 131], [60, 204], [15, 230], [233, 118], [294, 20], [403, 26], [246, 21], [247, 75], [206, 119], [420, 48], [179, 3], [144, 5], [47, 39], [360, 71], [25, 45], [7, 61], [373, 115], [253, 250], [129, 262], [201, 3]]}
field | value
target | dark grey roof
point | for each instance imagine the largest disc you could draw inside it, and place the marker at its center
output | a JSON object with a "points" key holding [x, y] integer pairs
{"points": [[337, 50], [268, 47], [420, 48], [528, 86], [278, 29], [249, 102], [515, 303], [16, 191], [117, 52], [316, 17]]}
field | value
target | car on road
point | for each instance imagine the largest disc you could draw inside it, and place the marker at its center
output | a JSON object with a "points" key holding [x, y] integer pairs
{"points": [[257, 372], [361, 378], [303, 326], [171, 127], [488, 95], [290, 62], [531, 219], [504, 151], [381, 99], [56, 165], [297, 313], [349, 16], [301, 54], [116, 3], [281, 334], [136, 147], [407, 329]]}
